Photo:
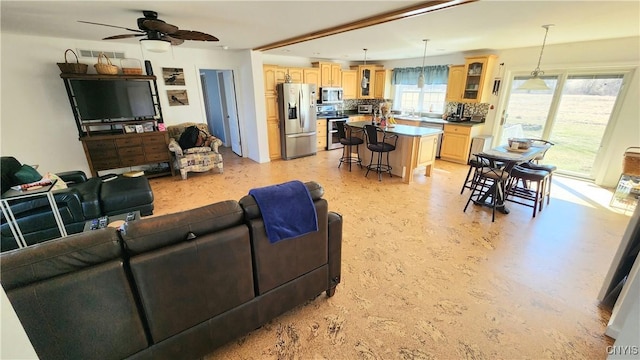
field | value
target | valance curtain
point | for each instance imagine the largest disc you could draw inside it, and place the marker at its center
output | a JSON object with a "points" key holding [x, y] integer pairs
{"points": [[433, 75]]}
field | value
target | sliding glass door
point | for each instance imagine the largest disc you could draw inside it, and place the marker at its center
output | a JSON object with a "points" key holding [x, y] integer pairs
{"points": [[573, 114]]}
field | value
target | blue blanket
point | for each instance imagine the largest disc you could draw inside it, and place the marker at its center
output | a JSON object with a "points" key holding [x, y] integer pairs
{"points": [[287, 210]]}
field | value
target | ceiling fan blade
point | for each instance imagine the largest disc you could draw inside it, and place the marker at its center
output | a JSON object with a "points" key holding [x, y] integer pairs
{"points": [[160, 26], [173, 40], [193, 35], [124, 36], [114, 26]]}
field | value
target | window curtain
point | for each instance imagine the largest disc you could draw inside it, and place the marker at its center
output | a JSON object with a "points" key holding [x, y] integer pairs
{"points": [[433, 75]]}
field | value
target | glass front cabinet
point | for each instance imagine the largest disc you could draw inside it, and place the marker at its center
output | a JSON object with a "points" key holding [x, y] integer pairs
{"points": [[478, 72]]}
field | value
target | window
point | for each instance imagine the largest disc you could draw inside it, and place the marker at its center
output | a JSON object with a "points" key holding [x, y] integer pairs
{"points": [[409, 97], [429, 99]]}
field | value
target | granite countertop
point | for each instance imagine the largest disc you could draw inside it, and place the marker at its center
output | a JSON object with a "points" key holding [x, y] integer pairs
{"points": [[435, 120], [404, 130]]}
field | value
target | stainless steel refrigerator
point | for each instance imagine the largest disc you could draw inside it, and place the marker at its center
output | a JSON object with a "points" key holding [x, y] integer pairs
{"points": [[297, 110]]}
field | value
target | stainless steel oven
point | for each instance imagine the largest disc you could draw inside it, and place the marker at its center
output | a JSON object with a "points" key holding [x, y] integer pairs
{"points": [[333, 139]]}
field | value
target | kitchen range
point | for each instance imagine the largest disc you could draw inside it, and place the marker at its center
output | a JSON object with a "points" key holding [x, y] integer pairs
{"points": [[332, 113]]}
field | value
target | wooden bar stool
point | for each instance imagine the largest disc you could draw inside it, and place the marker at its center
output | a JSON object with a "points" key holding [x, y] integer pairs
{"points": [[524, 195]]}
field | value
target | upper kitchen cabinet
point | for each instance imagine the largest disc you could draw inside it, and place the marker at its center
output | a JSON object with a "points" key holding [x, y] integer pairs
{"points": [[368, 72], [312, 76], [477, 71], [382, 81], [269, 72], [296, 74], [330, 74], [455, 84], [349, 84]]}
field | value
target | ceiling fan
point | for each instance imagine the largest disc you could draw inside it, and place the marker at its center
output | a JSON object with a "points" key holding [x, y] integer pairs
{"points": [[159, 34]]}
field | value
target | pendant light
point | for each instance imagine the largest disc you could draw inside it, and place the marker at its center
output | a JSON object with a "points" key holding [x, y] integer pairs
{"points": [[536, 83], [424, 56], [365, 81]]}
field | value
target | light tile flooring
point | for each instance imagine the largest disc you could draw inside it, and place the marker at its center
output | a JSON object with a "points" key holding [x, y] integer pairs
{"points": [[421, 279]]}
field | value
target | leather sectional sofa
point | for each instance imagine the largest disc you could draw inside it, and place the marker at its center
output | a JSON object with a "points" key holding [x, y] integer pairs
{"points": [[168, 287], [84, 199]]}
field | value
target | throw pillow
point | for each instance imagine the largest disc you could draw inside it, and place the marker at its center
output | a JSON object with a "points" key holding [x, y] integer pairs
{"points": [[27, 174], [60, 184]]}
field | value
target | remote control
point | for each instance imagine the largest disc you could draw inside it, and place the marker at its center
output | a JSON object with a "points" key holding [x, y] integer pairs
{"points": [[102, 223], [130, 216]]}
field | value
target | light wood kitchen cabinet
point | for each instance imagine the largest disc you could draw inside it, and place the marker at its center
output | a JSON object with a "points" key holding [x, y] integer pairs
{"points": [[312, 76], [330, 74], [349, 84], [321, 134], [296, 73], [456, 142], [365, 71], [478, 71], [271, 75], [455, 83], [382, 81]]}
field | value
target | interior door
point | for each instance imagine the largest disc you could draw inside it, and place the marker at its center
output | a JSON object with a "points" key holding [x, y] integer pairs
{"points": [[229, 111], [573, 114]]}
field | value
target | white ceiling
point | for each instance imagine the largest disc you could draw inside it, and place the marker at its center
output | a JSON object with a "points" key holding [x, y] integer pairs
{"points": [[485, 24]]}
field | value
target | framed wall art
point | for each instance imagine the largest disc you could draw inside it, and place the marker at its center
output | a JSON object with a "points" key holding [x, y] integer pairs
{"points": [[177, 97], [173, 76]]}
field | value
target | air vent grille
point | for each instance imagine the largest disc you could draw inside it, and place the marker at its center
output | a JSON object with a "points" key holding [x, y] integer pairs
{"points": [[96, 53]]}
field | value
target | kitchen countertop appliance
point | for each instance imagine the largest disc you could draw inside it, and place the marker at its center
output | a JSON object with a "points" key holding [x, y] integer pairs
{"points": [[332, 114], [297, 110], [459, 115]]}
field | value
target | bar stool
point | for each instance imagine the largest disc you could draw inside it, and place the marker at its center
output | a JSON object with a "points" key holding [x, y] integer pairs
{"points": [[386, 145], [524, 195], [535, 165], [345, 134], [489, 181]]}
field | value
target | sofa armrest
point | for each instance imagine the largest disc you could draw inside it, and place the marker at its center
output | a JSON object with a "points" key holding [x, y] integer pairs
{"points": [[73, 177], [69, 198], [175, 148], [335, 251]]}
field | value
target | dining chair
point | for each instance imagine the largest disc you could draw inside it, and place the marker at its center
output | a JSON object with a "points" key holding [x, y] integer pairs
{"points": [[348, 140], [386, 144], [492, 177]]}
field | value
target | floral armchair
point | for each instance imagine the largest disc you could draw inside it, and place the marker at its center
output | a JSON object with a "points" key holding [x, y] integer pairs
{"points": [[198, 159]]}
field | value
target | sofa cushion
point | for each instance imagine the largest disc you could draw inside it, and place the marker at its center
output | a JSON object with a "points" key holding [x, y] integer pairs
{"points": [[89, 192], [125, 194], [27, 174]]}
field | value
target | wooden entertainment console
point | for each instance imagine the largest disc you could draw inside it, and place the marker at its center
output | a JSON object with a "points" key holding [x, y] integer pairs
{"points": [[108, 145]]}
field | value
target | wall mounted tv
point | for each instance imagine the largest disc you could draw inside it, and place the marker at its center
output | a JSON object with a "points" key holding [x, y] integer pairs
{"points": [[113, 99]]}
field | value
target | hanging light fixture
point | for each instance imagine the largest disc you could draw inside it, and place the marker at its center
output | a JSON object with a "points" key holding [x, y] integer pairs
{"points": [[536, 83], [424, 56], [157, 46], [365, 81]]}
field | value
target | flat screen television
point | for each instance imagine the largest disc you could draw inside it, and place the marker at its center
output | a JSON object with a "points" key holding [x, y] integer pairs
{"points": [[113, 99]]}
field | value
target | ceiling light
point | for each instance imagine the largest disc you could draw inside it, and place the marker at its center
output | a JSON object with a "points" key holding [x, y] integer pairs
{"points": [[536, 83], [365, 81], [424, 56], [157, 46]]}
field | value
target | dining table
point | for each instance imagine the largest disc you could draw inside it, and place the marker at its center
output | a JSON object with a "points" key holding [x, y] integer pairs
{"points": [[507, 157]]}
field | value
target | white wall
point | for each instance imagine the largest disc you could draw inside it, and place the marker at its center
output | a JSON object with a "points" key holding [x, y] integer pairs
{"points": [[37, 125]]}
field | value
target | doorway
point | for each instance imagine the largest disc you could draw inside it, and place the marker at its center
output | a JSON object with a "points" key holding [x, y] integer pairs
{"points": [[573, 114], [219, 98]]}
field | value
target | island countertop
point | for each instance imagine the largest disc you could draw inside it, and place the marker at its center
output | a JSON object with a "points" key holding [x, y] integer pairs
{"points": [[403, 130]]}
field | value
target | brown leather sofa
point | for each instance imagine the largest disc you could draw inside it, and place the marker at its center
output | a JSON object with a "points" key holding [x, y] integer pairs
{"points": [[169, 287]]}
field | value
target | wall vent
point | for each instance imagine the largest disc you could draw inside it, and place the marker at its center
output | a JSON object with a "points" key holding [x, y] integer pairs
{"points": [[96, 53]]}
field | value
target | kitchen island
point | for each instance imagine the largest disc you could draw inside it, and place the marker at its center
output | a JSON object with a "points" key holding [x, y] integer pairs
{"points": [[416, 148]]}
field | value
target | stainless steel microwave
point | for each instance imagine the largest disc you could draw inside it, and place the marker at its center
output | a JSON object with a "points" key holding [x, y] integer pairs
{"points": [[331, 95]]}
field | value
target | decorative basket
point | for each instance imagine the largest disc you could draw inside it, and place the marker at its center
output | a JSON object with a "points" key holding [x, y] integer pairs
{"points": [[105, 68], [631, 164], [71, 68], [131, 66]]}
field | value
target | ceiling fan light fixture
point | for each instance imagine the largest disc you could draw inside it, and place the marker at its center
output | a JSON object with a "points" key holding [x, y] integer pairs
{"points": [[157, 46], [535, 82]]}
